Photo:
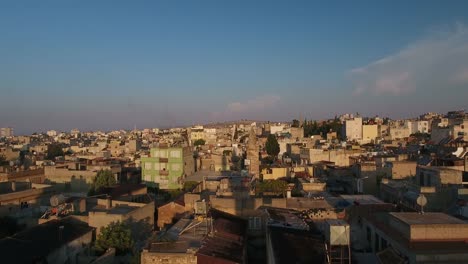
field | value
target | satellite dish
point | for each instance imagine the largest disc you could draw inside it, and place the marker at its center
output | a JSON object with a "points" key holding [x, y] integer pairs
{"points": [[57, 200], [421, 201]]}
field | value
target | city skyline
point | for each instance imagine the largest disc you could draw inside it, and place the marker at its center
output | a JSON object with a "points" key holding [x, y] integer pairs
{"points": [[111, 65]]}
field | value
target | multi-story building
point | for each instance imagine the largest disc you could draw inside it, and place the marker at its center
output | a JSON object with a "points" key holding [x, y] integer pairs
{"points": [[420, 126], [460, 130], [196, 133], [132, 146], [52, 133], [399, 130], [276, 128], [252, 154], [453, 128], [167, 167], [297, 132], [369, 133], [75, 132], [6, 132], [410, 237], [211, 135], [353, 128]]}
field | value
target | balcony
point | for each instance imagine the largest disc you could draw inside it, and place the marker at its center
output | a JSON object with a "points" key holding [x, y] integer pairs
{"points": [[163, 160], [164, 172]]}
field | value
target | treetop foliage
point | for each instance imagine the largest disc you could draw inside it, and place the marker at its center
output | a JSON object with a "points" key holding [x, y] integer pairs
{"points": [[116, 235], [104, 178], [272, 147]]}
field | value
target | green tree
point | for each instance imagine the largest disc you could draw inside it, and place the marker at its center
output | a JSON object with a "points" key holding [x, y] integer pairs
{"points": [[189, 185], [277, 187], [199, 142], [116, 235], [54, 150], [104, 178], [236, 163], [272, 146], [295, 123]]}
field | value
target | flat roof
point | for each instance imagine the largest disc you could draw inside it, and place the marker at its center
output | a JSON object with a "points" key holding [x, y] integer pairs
{"points": [[362, 199], [119, 209], [296, 246], [286, 218], [426, 218], [172, 241], [41, 240]]}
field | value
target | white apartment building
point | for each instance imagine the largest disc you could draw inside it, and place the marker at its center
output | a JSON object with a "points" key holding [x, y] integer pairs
{"points": [[420, 126], [6, 132], [52, 133], [353, 128], [276, 129]]}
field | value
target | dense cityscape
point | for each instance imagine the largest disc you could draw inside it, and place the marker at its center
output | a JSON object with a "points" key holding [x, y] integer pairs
{"points": [[234, 132], [350, 189]]}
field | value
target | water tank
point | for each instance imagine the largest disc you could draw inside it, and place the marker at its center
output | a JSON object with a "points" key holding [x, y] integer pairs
{"points": [[337, 232]]}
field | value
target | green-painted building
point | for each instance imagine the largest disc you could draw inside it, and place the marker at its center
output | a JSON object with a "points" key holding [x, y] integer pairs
{"points": [[167, 167]]}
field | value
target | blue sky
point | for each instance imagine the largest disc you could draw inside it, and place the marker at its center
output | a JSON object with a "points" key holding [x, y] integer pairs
{"points": [[115, 64]]}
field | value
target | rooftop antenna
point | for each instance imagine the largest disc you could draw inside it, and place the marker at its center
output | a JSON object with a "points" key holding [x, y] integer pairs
{"points": [[421, 201]]}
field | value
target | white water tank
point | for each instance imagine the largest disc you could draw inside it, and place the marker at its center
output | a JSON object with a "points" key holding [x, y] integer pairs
{"points": [[337, 232]]}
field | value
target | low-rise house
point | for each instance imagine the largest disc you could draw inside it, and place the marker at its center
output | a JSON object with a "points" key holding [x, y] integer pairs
{"points": [[125, 209], [275, 172], [404, 237], [56, 241], [17, 197], [77, 176], [399, 170], [291, 240], [215, 237]]}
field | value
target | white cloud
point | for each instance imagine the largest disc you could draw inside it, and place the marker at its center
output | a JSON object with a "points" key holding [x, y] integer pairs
{"points": [[247, 109], [437, 61], [256, 104]]}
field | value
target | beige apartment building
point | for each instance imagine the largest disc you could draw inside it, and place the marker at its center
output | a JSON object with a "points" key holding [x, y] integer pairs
{"points": [[353, 129], [369, 133]]}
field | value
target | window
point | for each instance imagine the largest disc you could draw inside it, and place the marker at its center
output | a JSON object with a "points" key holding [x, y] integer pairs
{"points": [[175, 153], [175, 167], [429, 182], [255, 223], [163, 153], [148, 166], [147, 177], [383, 243]]}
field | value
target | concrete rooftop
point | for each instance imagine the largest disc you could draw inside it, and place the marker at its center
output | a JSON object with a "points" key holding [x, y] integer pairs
{"points": [[426, 218]]}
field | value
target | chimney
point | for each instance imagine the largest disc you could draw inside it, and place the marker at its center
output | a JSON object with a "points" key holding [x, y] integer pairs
{"points": [[13, 186], [109, 202]]}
